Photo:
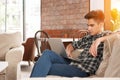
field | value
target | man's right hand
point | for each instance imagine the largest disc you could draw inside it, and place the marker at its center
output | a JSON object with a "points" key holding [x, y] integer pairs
{"points": [[69, 50]]}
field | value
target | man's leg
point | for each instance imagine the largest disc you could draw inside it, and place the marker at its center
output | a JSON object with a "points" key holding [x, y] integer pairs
{"points": [[66, 70], [43, 65]]}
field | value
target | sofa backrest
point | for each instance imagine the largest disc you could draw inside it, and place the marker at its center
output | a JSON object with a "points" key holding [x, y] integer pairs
{"points": [[9, 41], [113, 69], [109, 67]]}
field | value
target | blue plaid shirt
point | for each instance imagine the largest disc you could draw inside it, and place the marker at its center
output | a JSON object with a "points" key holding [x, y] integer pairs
{"points": [[87, 62]]}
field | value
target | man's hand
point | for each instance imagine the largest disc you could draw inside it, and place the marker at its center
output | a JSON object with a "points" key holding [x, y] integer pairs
{"points": [[93, 48], [95, 44], [69, 50]]}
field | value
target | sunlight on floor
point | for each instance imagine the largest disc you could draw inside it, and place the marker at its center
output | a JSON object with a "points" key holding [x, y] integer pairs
{"points": [[26, 70]]}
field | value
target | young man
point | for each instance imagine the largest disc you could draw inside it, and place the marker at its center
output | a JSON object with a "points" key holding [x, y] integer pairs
{"points": [[52, 64]]}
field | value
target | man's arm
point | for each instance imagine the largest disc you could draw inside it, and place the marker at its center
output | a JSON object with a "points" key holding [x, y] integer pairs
{"points": [[95, 44], [75, 45], [69, 50]]}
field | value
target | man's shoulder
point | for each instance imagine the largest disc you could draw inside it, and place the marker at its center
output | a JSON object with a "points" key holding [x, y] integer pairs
{"points": [[87, 36], [107, 32]]}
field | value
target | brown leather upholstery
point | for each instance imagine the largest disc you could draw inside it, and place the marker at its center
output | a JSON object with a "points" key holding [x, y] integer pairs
{"points": [[29, 53]]}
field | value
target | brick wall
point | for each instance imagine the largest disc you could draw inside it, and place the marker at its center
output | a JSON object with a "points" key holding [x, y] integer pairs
{"points": [[64, 14], [66, 33]]}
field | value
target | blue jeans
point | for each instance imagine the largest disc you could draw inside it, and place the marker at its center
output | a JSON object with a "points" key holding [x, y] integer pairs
{"points": [[51, 63]]}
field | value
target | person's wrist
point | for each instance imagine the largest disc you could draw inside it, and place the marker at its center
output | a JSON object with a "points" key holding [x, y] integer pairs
{"points": [[101, 39]]}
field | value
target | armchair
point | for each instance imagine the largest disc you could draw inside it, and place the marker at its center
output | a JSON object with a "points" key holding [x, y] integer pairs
{"points": [[29, 50], [11, 51]]}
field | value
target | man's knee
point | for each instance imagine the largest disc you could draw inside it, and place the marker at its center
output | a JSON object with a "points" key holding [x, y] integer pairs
{"points": [[47, 52]]}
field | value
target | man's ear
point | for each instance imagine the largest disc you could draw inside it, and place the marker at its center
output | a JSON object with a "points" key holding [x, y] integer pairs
{"points": [[101, 24]]}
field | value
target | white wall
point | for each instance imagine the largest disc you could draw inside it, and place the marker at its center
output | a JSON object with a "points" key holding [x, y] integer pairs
{"points": [[32, 17], [96, 4]]}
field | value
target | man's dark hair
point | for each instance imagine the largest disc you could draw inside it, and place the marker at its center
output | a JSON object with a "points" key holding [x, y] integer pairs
{"points": [[96, 15]]}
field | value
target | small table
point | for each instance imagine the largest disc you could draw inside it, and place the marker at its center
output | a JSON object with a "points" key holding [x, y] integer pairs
{"points": [[66, 41], [3, 66]]}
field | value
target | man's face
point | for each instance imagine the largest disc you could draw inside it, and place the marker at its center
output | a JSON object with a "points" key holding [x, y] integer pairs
{"points": [[94, 27]]}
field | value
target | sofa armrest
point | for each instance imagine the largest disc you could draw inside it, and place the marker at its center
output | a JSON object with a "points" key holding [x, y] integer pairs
{"points": [[15, 55]]}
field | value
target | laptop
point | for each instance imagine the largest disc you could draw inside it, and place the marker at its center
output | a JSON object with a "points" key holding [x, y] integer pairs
{"points": [[57, 46]]}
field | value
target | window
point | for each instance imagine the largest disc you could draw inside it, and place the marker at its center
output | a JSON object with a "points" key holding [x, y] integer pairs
{"points": [[115, 14], [115, 4], [11, 15], [2, 15], [20, 15]]}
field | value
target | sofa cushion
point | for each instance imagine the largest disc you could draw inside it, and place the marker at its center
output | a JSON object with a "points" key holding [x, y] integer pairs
{"points": [[113, 69], [101, 70], [75, 54], [8, 41], [108, 45]]}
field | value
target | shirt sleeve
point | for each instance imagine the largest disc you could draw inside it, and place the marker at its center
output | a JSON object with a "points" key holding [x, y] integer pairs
{"points": [[79, 44]]}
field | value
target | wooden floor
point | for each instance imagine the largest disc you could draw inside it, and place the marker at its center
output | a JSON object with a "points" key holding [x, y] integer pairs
{"points": [[26, 70]]}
